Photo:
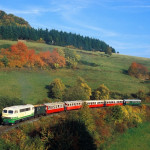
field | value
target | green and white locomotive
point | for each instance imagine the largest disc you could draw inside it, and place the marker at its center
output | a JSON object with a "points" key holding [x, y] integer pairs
{"points": [[15, 114]]}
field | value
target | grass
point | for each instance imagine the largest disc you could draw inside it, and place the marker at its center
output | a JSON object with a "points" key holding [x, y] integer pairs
{"points": [[133, 139], [95, 67]]}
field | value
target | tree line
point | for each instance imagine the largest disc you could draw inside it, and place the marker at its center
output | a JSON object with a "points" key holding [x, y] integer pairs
{"points": [[53, 37], [82, 91]]}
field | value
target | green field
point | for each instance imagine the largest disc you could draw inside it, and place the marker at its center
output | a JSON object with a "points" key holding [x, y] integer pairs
{"points": [[133, 139], [95, 67]]}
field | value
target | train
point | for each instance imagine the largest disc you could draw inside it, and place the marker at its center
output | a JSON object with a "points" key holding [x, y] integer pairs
{"points": [[14, 114]]}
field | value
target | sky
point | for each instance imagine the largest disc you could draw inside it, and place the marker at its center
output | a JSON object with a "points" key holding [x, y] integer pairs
{"points": [[123, 24]]}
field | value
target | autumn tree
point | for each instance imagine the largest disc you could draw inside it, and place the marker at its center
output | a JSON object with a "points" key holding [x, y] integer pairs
{"points": [[80, 91], [138, 71], [57, 89], [56, 60], [83, 85], [74, 93], [72, 58], [102, 92], [18, 55]]}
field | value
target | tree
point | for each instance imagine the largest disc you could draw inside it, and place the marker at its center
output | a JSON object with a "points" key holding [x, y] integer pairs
{"points": [[108, 51], [72, 58], [141, 95], [74, 93], [57, 89], [4, 60], [82, 84], [80, 91], [102, 92], [138, 71]]}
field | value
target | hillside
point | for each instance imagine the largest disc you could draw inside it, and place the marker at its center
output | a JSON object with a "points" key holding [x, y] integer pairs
{"points": [[10, 19], [95, 67]]}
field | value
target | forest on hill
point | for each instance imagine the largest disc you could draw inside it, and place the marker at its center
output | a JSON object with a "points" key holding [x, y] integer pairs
{"points": [[10, 19], [14, 28]]}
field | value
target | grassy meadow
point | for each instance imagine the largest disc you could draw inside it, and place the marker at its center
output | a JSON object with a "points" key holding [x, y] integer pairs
{"points": [[133, 139], [95, 67]]}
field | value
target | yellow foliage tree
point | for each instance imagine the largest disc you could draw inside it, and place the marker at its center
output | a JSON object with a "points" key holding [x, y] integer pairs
{"points": [[102, 92], [82, 84], [57, 88]]}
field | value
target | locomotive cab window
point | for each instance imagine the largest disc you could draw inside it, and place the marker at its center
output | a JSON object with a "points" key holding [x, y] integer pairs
{"points": [[4, 111], [10, 111]]}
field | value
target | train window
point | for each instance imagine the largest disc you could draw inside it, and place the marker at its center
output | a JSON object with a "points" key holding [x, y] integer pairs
{"points": [[27, 109], [22, 110], [10, 111], [4, 111]]}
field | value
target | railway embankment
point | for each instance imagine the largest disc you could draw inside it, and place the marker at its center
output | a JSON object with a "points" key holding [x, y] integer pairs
{"points": [[85, 128]]}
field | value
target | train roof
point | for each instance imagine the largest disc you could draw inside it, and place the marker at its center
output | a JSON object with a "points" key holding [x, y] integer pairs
{"points": [[55, 103], [77, 101], [128, 100], [38, 105], [94, 101], [18, 107], [114, 100]]}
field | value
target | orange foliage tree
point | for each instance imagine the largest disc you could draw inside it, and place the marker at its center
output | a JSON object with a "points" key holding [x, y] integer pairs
{"points": [[18, 55], [138, 71]]}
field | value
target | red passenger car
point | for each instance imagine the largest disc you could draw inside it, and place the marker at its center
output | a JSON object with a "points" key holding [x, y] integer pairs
{"points": [[95, 103], [54, 107], [113, 102], [70, 105]]}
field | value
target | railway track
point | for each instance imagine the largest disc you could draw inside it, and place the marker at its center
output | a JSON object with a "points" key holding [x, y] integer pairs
{"points": [[6, 128]]}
